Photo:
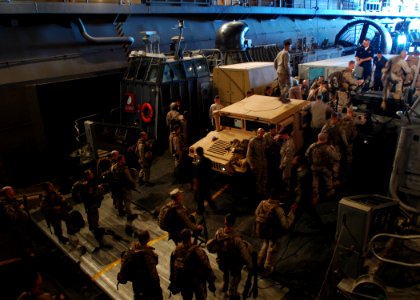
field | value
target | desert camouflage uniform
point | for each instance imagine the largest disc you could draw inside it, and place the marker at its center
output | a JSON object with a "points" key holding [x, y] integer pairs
{"points": [[146, 285], [397, 73], [287, 151], [181, 220], [145, 155], [124, 182], [413, 61], [321, 156], [270, 247], [55, 208], [199, 271], [171, 116], [337, 139], [349, 82], [256, 157], [16, 220], [350, 132], [231, 263], [284, 73], [91, 197], [273, 159]]}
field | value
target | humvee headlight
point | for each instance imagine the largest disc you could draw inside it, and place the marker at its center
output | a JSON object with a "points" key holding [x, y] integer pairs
{"points": [[223, 169]]}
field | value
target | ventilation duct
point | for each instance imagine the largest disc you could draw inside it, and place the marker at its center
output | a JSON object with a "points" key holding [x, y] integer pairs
{"points": [[103, 40], [231, 36]]}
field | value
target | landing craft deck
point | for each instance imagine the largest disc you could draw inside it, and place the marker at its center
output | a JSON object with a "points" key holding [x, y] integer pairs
{"points": [[102, 264]]}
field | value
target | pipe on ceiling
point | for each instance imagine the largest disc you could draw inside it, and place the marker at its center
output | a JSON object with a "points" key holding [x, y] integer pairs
{"points": [[103, 40]]}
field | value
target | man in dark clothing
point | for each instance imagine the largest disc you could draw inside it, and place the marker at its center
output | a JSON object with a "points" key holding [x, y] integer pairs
{"points": [[191, 270], [379, 61], [364, 56], [91, 194], [123, 184], [201, 181], [139, 266]]}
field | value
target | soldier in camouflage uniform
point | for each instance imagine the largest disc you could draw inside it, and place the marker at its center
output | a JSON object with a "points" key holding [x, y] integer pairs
{"points": [[143, 260], [182, 218], [349, 82], [144, 155], [349, 128], [257, 160], [287, 151], [232, 256], [214, 107], [172, 115], [16, 219], [176, 147], [124, 183], [337, 139], [271, 208], [397, 73], [321, 157], [284, 71], [197, 269], [55, 209], [315, 88], [273, 144], [91, 194]]}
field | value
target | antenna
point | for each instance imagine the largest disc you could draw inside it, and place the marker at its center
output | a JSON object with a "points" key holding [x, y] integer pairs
{"points": [[178, 51]]}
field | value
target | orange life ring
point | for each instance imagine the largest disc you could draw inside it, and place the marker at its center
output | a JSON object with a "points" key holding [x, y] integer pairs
{"points": [[146, 112]]}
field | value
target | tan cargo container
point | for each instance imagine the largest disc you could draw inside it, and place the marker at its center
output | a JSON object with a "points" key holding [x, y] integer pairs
{"points": [[236, 124], [231, 82]]}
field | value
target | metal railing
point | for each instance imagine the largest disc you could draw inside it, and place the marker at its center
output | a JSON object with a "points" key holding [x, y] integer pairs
{"points": [[359, 5]]}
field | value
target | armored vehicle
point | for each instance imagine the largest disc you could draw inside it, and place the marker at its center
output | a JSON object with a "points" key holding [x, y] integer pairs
{"points": [[236, 124]]}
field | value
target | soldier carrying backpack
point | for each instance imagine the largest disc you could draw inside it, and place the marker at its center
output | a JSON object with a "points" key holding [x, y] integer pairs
{"points": [[271, 222], [173, 217], [138, 265], [232, 254], [190, 270]]}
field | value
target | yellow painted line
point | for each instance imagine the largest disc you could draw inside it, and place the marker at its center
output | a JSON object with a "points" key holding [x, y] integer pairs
{"points": [[106, 269], [118, 261], [219, 192], [158, 239]]}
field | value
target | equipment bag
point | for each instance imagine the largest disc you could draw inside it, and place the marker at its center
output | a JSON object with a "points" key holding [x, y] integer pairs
{"points": [[180, 267], [77, 220], [132, 264], [166, 217]]}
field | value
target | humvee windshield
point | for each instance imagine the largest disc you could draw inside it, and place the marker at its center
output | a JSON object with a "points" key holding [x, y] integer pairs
{"points": [[237, 123], [230, 122], [253, 125]]}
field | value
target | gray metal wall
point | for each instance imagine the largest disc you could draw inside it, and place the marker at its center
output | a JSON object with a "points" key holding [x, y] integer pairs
{"points": [[42, 50]]}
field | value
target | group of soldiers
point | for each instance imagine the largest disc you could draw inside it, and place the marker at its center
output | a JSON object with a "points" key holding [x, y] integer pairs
{"points": [[374, 71], [190, 271]]}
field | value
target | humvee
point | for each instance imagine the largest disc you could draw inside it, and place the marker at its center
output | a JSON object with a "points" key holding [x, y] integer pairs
{"points": [[237, 123]]}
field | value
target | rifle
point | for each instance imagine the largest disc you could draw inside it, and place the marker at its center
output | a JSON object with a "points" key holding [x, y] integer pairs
{"points": [[251, 284]]}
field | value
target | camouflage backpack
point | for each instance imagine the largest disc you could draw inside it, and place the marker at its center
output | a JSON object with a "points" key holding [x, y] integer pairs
{"points": [[180, 267], [166, 218], [266, 222], [132, 264], [336, 80]]}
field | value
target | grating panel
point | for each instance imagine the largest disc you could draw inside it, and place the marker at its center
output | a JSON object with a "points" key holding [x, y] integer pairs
{"points": [[219, 147]]}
